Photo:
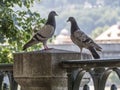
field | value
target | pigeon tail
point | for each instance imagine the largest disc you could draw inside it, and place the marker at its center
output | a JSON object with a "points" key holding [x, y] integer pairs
{"points": [[25, 46], [94, 53], [97, 47], [28, 44]]}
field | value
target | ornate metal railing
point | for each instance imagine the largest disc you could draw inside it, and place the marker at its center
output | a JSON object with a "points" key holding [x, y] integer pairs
{"points": [[98, 69], [6, 71]]}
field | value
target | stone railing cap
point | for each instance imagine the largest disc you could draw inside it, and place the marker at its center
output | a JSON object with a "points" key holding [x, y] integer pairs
{"points": [[48, 51]]}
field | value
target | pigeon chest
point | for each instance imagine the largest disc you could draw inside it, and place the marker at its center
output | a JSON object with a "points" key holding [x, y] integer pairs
{"points": [[47, 31], [76, 41]]}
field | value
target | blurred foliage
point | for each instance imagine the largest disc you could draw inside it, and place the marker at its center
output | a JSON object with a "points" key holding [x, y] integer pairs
{"points": [[101, 13], [98, 31], [5, 55], [89, 19], [16, 26]]}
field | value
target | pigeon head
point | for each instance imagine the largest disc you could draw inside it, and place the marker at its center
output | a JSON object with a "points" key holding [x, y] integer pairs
{"points": [[53, 13], [71, 19], [74, 25], [51, 19]]}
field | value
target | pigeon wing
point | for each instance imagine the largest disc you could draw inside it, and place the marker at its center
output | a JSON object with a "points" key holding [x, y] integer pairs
{"points": [[87, 41], [45, 33]]}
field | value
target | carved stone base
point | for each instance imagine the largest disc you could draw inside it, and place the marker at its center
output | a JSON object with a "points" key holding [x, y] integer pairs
{"points": [[40, 70]]}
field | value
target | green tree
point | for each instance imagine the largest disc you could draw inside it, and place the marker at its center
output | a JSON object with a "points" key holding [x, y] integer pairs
{"points": [[98, 31], [16, 26]]}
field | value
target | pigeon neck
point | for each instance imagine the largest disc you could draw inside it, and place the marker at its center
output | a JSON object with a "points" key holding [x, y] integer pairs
{"points": [[51, 21], [74, 26]]}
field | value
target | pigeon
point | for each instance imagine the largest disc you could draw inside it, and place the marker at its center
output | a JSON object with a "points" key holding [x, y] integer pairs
{"points": [[44, 33], [79, 38]]}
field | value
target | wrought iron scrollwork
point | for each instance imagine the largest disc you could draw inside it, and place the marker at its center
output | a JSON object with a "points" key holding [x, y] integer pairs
{"points": [[99, 78], [7, 71], [99, 70]]}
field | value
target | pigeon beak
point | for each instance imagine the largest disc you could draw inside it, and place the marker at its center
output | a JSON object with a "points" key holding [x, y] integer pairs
{"points": [[68, 20], [56, 14]]}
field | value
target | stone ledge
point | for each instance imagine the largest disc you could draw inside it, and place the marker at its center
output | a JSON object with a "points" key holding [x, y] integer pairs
{"points": [[40, 70]]}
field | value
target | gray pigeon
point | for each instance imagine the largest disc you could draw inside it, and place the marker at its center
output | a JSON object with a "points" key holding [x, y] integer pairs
{"points": [[45, 33], [82, 40]]}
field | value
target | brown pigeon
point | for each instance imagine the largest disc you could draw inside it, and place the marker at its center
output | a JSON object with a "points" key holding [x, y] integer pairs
{"points": [[82, 40], [45, 33]]}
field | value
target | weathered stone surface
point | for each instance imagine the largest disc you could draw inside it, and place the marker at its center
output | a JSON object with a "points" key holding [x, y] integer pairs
{"points": [[40, 70]]}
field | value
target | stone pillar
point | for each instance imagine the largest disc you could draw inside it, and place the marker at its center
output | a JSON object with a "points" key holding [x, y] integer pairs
{"points": [[40, 70]]}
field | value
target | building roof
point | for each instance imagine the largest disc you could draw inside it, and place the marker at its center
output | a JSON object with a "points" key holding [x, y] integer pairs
{"points": [[112, 35], [63, 37]]}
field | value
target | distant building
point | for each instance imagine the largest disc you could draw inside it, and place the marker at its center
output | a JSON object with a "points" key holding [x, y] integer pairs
{"points": [[63, 38], [112, 35], [110, 42]]}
